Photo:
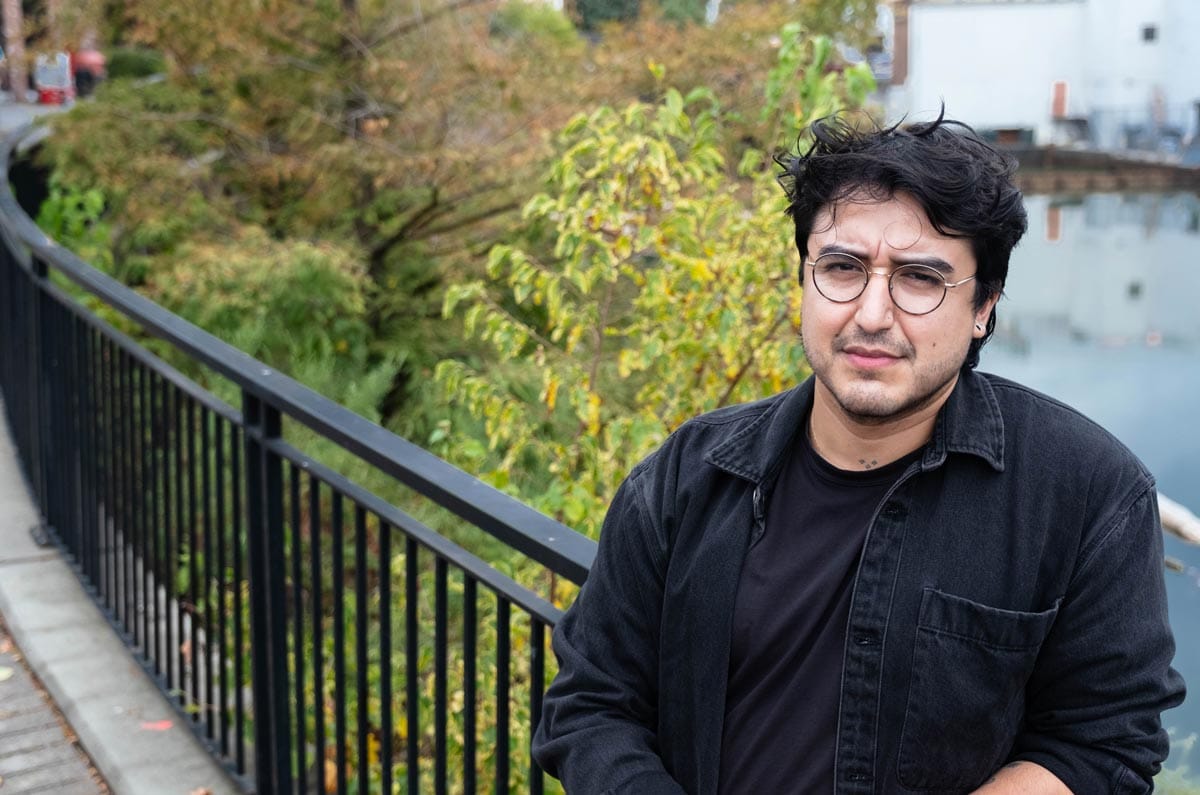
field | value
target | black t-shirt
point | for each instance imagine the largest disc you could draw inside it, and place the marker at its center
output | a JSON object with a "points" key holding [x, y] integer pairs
{"points": [[789, 625]]}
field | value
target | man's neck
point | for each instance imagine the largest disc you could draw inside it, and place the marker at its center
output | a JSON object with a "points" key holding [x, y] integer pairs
{"points": [[850, 444]]}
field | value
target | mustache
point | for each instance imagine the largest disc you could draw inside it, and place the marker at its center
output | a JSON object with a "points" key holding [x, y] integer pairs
{"points": [[881, 342]]}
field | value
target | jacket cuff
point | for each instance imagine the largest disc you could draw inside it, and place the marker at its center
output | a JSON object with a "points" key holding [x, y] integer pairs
{"points": [[1082, 777]]}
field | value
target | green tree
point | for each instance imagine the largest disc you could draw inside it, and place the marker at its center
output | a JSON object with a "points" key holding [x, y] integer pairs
{"points": [[668, 289], [396, 139], [408, 141]]}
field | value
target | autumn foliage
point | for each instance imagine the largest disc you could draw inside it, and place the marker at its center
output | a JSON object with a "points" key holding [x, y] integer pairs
{"points": [[665, 287]]}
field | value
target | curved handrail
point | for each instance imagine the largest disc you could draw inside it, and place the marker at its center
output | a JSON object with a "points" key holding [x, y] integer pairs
{"points": [[1178, 520], [528, 531]]}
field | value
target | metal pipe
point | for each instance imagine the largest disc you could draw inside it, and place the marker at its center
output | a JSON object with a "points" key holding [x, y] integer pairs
{"points": [[1178, 520]]}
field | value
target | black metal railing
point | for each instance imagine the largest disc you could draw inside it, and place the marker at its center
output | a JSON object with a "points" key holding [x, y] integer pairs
{"points": [[316, 637]]}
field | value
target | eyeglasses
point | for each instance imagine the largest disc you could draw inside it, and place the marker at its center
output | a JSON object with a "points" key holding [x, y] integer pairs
{"points": [[915, 289]]}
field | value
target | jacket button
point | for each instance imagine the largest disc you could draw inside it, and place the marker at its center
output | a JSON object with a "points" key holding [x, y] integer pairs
{"points": [[894, 510]]}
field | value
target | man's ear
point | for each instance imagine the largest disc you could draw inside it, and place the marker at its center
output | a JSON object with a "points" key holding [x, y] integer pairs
{"points": [[982, 314]]}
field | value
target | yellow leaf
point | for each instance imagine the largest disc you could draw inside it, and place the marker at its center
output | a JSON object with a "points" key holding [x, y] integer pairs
{"points": [[573, 337], [372, 749], [700, 271], [551, 393], [593, 423], [331, 781]]}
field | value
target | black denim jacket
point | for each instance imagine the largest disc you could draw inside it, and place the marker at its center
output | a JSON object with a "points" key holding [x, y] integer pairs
{"points": [[1009, 604]]}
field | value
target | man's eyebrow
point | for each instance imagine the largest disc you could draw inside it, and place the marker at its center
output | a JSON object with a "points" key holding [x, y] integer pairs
{"points": [[937, 263], [834, 248]]}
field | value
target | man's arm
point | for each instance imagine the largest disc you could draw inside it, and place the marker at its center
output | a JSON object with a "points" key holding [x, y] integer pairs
{"points": [[1023, 778], [1103, 677], [598, 732]]}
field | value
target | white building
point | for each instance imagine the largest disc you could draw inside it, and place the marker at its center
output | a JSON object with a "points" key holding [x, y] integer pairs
{"points": [[1115, 268], [1112, 73]]}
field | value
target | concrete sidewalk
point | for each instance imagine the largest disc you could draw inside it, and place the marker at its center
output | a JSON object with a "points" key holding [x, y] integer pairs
{"points": [[38, 753], [123, 723]]}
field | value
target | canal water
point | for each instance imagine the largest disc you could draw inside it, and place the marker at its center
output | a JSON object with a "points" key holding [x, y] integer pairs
{"points": [[1102, 311]]}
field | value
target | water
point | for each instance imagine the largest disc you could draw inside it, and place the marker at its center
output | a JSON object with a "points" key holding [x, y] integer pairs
{"points": [[1102, 311]]}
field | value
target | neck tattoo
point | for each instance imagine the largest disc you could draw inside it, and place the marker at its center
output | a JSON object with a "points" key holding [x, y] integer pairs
{"points": [[864, 463]]}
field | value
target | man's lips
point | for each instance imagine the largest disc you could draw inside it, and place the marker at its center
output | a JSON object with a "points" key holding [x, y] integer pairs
{"points": [[869, 358]]}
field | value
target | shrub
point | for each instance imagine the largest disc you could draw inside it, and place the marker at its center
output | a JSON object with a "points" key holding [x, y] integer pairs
{"points": [[521, 20], [134, 62]]}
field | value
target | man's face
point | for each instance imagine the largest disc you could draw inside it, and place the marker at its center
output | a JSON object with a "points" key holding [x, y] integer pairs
{"points": [[874, 362]]}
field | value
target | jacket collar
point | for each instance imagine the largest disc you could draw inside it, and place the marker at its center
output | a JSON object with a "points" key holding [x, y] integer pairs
{"points": [[970, 422]]}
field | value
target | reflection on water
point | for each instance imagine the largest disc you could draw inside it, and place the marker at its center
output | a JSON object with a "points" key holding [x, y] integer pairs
{"points": [[1102, 310]]}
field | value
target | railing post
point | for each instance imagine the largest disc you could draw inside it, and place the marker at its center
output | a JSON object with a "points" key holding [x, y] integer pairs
{"points": [[264, 513], [39, 384]]}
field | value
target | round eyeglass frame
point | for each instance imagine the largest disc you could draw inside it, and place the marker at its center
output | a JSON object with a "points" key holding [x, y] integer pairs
{"points": [[890, 275]]}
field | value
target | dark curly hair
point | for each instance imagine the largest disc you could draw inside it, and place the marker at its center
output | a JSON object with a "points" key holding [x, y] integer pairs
{"points": [[963, 183]]}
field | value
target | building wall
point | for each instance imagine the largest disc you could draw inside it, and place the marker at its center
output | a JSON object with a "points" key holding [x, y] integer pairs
{"points": [[1181, 59], [1125, 73], [995, 63]]}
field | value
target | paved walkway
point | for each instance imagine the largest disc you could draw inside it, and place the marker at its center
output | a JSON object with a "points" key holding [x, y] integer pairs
{"points": [[38, 753], [133, 736]]}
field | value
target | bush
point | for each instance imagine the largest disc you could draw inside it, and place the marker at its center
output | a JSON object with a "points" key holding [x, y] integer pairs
{"points": [[134, 62], [521, 20], [683, 11], [283, 302], [595, 13]]}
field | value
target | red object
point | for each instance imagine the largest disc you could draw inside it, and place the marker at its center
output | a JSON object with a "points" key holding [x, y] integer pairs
{"points": [[88, 67], [1058, 99], [91, 61], [55, 96]]}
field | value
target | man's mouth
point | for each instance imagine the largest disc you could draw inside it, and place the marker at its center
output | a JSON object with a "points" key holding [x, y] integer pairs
{"points": [[869, 358]]}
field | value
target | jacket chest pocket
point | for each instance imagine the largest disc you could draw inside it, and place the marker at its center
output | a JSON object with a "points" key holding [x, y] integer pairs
{"points": [[966, 696]]}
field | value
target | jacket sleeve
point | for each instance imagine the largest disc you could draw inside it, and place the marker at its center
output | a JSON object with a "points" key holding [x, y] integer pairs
{"points": [[1104, 675], [598, 732]]}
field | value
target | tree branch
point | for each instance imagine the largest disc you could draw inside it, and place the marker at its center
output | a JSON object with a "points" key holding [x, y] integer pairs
{"points": [[203, 118], [431, 209], [412, 23], [601, 324], [750, 359], [468, 220]]}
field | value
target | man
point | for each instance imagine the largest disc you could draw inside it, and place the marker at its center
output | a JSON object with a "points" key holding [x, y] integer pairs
{"points": [[900, 576]]}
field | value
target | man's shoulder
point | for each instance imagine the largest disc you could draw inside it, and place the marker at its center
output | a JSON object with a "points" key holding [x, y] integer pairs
{"points": [[693, 441], [1038, 423]]}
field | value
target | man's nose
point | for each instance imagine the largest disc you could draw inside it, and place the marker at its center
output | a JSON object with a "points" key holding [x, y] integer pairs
{"points": [[875, 307]]}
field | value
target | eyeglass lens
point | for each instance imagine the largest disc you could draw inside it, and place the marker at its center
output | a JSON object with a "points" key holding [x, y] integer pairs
{"points": [[916, 289]]}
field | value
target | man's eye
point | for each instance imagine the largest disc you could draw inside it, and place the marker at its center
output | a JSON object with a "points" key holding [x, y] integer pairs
{"points": [[837, 265], [919, 278]]}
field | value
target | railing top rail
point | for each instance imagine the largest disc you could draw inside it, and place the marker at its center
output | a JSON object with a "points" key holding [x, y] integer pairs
{"points": [[528, 531]]}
